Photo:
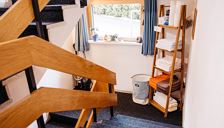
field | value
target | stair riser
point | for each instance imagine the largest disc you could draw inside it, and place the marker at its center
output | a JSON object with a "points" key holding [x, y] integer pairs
{"points": [[32, 30], [52, 14], [49, 14], [63, 119], [61, 2]]}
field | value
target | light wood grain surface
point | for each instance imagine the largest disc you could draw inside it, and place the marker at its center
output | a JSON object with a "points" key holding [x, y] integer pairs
{"points": [[87, 114], [43, 100], [17, 19], [16, 55]]}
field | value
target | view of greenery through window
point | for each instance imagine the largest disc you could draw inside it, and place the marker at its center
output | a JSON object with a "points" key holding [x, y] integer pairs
{"points": [[119, 10], [120, 19]]}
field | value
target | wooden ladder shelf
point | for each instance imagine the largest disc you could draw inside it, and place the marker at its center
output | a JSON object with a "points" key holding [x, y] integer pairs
{"points": [[180, 31]]}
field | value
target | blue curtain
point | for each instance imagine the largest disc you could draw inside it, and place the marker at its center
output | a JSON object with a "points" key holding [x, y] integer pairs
{"points": [[81, 35], [150, 21]]}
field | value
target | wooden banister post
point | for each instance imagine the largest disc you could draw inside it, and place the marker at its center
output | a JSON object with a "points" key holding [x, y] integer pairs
{"points": [[32, 87]]}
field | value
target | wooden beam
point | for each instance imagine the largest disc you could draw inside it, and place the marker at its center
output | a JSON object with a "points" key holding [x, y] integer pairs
{"points": [[16, 55], [43, 100], [17, 19]]}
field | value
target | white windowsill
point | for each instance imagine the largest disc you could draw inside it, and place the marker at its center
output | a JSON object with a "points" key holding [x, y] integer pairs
{"points": [[127, 43]]}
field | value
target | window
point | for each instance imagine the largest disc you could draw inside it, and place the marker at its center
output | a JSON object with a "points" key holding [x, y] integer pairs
{"points": [[124, 20], [3, 94]]}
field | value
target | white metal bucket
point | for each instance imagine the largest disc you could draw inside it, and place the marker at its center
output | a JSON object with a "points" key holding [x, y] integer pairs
{"points": [[140, 88]]}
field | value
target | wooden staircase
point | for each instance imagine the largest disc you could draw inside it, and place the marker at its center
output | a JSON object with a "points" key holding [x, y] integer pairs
{"points": [[35, 51], [51, 14], [21, 54]]}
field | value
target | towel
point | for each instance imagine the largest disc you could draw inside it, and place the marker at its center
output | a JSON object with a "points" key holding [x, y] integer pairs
{"points": [[163, 86], [166, 63], [177, 13], [172, 12], [154, 80], [161, 98], [168, 44], [172, 109]]}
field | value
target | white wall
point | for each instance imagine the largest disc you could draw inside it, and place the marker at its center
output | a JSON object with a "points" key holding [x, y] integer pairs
{"points": [[5, 3], [125, 60], [58, 33], [57, 79], [205, 88]]}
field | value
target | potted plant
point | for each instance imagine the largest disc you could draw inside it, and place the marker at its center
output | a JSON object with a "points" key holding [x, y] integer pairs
{"points": [[95, 35], [114, 37]]}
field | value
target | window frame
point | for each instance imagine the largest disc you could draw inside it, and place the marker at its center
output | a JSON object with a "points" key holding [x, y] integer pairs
{"points": [[95, 2]]}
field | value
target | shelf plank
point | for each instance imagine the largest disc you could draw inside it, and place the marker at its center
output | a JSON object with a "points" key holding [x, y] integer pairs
{"points": [[179, 50], [158, 106], [168, 27], [177, 70]]}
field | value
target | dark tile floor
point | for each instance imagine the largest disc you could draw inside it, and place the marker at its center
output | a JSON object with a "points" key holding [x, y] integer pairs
{"points": [[127, 107]]}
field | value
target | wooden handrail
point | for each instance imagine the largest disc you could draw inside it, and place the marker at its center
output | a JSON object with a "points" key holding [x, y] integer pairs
{"points": [[19, 54], [43, 100], [17, 19]]}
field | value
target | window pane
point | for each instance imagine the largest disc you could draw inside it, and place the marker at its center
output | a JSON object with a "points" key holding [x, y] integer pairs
{"points": [[120, 19]]}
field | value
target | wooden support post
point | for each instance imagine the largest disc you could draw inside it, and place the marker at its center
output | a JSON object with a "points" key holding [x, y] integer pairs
{"points": [[182, 56], [89, 17], [155, 54]]}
